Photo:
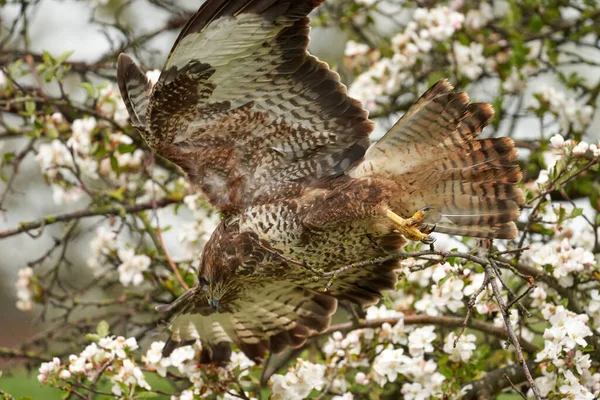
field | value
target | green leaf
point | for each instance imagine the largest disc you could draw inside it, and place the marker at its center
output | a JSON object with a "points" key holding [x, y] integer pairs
{"points": [[30, 107], [103, 329], [92, 337], [125, 148], [114, 163], [47, 58], [576, 212], [8, 157], [146, 395], [63, 57], [89, 88], [536, 24]]}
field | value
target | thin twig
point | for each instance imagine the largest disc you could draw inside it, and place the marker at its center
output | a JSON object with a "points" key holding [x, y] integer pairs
{"points": [[489, 270]]}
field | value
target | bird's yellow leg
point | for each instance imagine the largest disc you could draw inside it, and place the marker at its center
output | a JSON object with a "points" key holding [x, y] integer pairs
{"points": [[412, 228]]}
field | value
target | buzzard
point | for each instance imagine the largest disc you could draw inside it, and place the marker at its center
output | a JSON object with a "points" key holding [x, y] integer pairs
{"points": [[270, 136]]}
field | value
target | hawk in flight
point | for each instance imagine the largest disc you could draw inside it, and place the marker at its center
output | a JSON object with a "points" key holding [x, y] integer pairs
{"points": [[270, 136]]}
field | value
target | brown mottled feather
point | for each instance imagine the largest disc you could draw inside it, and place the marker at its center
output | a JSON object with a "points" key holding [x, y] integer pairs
{"points": [[135, 89], [470, 183], [270, 135]]}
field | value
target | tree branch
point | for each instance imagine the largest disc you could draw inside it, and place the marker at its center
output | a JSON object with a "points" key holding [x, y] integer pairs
{"points": [[499, 332], [93, 212], [494, 382]]}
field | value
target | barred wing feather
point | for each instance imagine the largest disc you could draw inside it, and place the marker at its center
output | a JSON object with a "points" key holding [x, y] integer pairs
{"points": [[243, 108], [270, 317]]}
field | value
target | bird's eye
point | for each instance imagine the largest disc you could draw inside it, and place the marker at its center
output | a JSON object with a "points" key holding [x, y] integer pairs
{"points": [[203, 283]]}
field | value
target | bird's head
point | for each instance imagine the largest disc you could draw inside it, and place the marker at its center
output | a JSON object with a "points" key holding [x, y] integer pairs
{"points": [[212, 289]]}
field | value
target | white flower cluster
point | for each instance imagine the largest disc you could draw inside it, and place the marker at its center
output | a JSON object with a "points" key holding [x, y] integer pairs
{"points": [[61, 162], [129, 161], [478, 18], [561, 148], [566, 108], [184, 359], [58, 163], [425, 382], [359, 54], [577, 148], [464, 347], [52, 370], [446, 292], [24, 289], [468, 60], [132, 266], [194, 235], [110, 103], [593, 308], [109, 356], [565, 260], [570, 370], [386, 76], [105, 246], [298, 382]]}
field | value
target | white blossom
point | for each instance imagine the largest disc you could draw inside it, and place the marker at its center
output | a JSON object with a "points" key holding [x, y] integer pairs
{"points": [[564, 259], [469, 60], [580, 148], [478, 18], [298, 382], [49, 370], [24, 287], [129, 374], [557, 141], [154, 359], [419, 340], [51, 156], [131, 267], [567, 109], [464, 347], [81, 138]]}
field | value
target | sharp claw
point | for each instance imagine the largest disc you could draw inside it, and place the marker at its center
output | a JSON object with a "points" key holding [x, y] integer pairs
{"points": [[427, 229], [426, 208], [428, 240]]}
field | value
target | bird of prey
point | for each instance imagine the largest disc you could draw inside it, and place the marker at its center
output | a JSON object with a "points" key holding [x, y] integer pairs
{"points": [[270, 136]]}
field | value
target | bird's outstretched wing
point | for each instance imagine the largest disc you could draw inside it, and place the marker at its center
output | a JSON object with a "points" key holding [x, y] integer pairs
{"points": [[268, 315], [243, 108]]}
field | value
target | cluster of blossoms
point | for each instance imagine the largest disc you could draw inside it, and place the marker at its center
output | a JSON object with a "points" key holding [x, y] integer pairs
{"points": [[194, 235], [105, 247], [387, 75], [70, 166], [299, 381], [184, 359], [567, 110], [560, 149], [564, 366], [380, 355], [109, 356], [565, 260], [25, 286], [445, 294], [577, 148]]}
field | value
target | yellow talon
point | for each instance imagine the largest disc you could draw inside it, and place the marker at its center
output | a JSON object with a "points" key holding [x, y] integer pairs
{"points": [[411, 228]]}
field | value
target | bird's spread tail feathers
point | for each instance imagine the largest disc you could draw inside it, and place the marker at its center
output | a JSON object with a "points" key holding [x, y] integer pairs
{"points": [[435, 158]]}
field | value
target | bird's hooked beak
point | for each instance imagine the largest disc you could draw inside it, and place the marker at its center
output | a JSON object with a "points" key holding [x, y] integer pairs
{"points": [[213, 303], [211, 300]]}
